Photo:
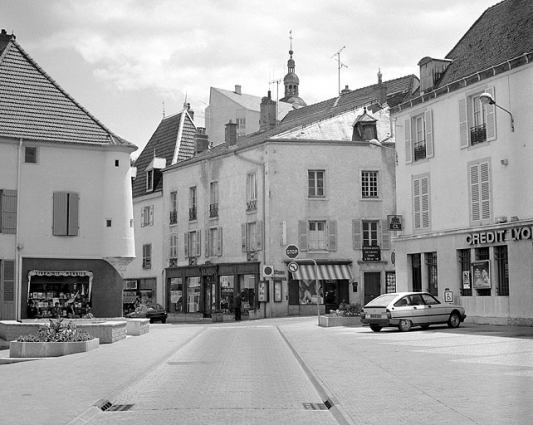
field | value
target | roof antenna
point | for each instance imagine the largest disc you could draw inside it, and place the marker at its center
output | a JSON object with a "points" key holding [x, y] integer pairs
{"points": [[163, 110], [340, 65]]}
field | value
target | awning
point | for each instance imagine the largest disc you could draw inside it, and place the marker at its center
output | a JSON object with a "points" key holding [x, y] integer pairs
{"points": [[325, 272]]}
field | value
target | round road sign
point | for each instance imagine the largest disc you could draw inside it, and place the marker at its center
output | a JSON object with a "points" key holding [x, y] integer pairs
{"points": [[292, 251], [293, 267]]}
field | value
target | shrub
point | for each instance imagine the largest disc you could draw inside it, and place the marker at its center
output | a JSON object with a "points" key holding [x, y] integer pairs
{"points": [[347, 310], [56, 331]]}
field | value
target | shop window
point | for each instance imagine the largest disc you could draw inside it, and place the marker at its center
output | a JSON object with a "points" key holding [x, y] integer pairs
{"points": [[421, 204], [316, 182], [30, 155], [317, 235], [369, 184], [193, 294], [65, 213], [308, 293], [176, 295], [481, 255], [502, 268], [8, 211], [147, 256], [192, 244], [227, 293], [147, 216], [431, 262], [247, 291], [416, 271], [477, 123], [252, 236], [419, 137], [464, 268]]}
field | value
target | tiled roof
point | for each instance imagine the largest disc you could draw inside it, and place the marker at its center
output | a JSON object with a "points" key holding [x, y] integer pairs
{"points": [[504, 31], [34, 107], [162, 144], [247, 101]]}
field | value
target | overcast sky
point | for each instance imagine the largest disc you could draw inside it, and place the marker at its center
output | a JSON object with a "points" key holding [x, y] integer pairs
{"points": [[127, 60]]}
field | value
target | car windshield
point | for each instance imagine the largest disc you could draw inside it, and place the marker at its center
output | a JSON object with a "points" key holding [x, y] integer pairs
{"points": [[382, 301]]}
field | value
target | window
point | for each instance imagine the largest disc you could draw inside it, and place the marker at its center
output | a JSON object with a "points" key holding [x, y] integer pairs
{"points": [[173, 207], [30, 155], [421, 207], [316, 183], [416, 271], [214, 242], [431, 262], [369, 184], [8, 211], [117, 163], [252, 236], [317, 235], [464, 267], [173, 254], [65, 214], [147, 216], [150, 180], [483, 254], [241, 123], [419, 137], [9, 279], [480, 192], [251, 192], [108, 222], [370, 233], [502, 269], [477, 122], [213, 200], [192, 243], [192, 203], [147, 256]]}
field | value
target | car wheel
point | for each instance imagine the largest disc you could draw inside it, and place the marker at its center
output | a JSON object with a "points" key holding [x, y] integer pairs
{"points": [[424, 326], [454, 321], [163, 320], [375, 328], [405, 325]]}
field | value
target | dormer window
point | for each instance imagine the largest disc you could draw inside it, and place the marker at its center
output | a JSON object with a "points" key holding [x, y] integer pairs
{"points": [[150, 180], [154, 173], [364, 128]]}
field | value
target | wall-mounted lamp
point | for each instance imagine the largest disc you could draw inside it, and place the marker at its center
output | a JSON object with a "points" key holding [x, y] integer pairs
{"points": [[487, 99], [376, 143], [504, 161]]}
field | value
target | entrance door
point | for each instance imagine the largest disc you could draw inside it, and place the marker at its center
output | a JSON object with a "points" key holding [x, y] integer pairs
{"points": [[372, 282], [210, 295]]}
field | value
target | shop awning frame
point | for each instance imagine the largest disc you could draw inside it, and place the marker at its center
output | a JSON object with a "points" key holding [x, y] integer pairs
{"points": [[325, 272]]}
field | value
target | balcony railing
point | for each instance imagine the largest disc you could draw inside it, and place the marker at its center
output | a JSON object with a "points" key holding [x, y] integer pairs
{"points": [[173, 217], [213, 210], [251, 205], [478, 134], [192, 214], [419, 149]]}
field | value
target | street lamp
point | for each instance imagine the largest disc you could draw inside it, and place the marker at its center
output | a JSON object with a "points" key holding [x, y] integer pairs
{"points": [[376, 143], [487, 99]]}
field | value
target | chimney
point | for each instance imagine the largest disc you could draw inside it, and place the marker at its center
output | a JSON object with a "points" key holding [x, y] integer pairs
{"points": [[5, 36], [267, 115], [201, 141], [345, 90], [187, 107], [382, 90], [231, 133], [431, 71], [237, 89]]}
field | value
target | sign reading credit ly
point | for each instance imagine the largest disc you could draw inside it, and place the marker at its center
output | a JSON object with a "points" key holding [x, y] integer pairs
{"points": [[495, 236]]}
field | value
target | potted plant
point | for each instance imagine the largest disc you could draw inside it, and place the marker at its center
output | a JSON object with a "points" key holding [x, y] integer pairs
{"points": [[53, 340]]}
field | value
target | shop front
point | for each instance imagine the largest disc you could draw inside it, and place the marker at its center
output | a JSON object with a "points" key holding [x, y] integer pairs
{"points": [[138, 291], [333, 278], [210, 288]]}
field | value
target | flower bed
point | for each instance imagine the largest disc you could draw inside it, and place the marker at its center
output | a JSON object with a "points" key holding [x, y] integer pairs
{"points": [[346, 315]]}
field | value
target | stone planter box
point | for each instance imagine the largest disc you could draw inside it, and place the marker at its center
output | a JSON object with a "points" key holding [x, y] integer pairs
{"points": [[137, 327], [217, 317], [50, 349], [255, 314], [330, 321]]}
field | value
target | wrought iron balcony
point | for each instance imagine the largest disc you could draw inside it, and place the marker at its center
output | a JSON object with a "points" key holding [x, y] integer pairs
{"points": [[213, 210], [419, 149], [251, 205], [478, 134], [192, 214]]}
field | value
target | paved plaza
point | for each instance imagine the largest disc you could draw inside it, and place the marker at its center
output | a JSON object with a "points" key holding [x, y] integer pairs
{"points": [[282, 371]]}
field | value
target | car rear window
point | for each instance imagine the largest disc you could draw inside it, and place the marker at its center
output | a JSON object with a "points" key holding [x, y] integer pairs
{"points": [[382, 301]]}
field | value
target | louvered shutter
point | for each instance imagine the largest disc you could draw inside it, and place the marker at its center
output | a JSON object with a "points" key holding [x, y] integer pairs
{"points": [[491, 117], [408, 148], [332, 235], [60, 200], [424, 192], [463, 123], [356, 234], [259, 236], [243, 238], [219, 242], [475, 195], [142, 217], [186, 244], [151, 223], [8, 224], [73, 211], [302, 235], [385, 235], [207, 243], [429, 133], [9, 280], [198, 247], [416, 203]]}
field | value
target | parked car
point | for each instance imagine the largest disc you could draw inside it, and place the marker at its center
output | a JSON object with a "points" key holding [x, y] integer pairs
{"points": [[407, 309], [154, 312]]}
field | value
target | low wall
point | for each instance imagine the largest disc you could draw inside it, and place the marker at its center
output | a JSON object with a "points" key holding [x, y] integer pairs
{"points": [[330, 321], [50, 349], [136, 327]]}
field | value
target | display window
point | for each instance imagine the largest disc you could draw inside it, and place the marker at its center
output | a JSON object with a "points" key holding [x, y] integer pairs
{"points": [[227, 293], [193, 294], [247, 290], [176, 295]]}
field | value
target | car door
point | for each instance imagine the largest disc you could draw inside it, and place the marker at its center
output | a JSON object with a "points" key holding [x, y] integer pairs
{"points": [[420, 311], [438, 312]]}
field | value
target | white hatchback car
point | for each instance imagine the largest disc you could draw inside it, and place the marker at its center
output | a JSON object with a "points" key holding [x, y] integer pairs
{"points": [[407, 309]]}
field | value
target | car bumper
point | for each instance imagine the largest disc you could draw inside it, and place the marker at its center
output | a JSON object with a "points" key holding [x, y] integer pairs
{"points": [[380, 322]]}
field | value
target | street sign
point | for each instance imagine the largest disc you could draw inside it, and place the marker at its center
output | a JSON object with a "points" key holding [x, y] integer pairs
{"points": [[292, 251], [293, 267]]}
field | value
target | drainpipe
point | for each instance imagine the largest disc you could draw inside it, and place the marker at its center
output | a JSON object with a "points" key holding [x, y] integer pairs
{"points": [[262, 165], [18, 246]]}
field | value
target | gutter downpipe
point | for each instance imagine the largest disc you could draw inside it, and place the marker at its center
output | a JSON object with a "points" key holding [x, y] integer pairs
{"points": [[18, 262], [262, 165]]}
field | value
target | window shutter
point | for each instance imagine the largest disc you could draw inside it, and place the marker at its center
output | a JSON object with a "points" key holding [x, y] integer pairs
{"points": [[219, 242], [429, 133], [207, 242], [8, 224], [356, 234], [332, 235], [408, 149], [259, 235], [424, 194], [385, 235], [151, 215], [302, 234], [198, 252], [243, 237], [186, 244], [9, 280], [60, 200], [484, 190], [463, 123], [142, 217], [474, 192], [491, 117], [417, 203], [73, 208]]}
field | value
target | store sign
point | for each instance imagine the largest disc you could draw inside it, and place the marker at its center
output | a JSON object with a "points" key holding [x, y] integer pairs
{"points": [[496, 236], [130, 284], [394, 222], [371, 253]]}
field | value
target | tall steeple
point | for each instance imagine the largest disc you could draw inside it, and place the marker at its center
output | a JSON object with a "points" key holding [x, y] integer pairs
{"points": [[292, 82]]}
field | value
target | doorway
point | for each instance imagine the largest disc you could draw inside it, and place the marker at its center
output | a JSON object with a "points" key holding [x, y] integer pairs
{"points": [[372, 282], [210, 295]]}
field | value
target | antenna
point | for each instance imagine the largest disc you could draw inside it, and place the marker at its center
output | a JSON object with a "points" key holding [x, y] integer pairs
{"points": [[279, 80], [163, 109], [290, 36], [340, 65]]}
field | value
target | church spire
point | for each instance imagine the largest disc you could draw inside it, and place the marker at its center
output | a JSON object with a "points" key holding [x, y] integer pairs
{"points": [[291, 81]]}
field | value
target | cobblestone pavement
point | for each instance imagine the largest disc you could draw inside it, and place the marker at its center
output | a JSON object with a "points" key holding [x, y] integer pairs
{"points": [[282, 371]]}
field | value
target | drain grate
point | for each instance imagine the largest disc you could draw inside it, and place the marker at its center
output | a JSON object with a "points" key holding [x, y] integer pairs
{"points": [[328, 404], [315, 406], [119, 408], [103, 404]]}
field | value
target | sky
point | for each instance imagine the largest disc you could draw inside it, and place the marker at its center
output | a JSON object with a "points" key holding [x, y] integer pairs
{"points": [[131, 62]]}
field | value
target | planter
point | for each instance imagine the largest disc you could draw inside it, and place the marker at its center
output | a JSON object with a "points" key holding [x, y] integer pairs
{"points": [[255, 314], [330, 321], [217, 317], [50, 349]]}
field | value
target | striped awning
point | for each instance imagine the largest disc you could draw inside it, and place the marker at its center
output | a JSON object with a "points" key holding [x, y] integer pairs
{"points": [[325, 272]]}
